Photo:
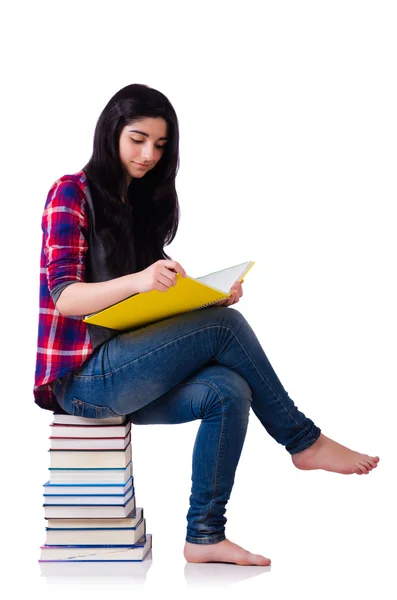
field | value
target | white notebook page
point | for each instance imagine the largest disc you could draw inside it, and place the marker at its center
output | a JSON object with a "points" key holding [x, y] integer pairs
{"points": [[223, 280]]}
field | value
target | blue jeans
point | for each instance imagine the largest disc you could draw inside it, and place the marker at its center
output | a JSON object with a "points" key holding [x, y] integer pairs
{"points": [[206, 364]]}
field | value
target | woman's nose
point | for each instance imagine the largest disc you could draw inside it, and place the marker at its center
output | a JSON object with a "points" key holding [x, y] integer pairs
{"points": [[147, 152]]}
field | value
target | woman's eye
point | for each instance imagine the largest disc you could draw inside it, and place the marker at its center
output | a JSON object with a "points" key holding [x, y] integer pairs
{"points": [[141, 142]]}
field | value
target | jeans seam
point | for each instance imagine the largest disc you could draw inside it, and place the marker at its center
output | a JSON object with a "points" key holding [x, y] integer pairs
{"points": [[62, 394], [217, 392], [210, 539], [260, 375]]}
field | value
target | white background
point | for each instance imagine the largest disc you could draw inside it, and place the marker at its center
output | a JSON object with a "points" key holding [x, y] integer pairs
{"points": [[288, 124]]}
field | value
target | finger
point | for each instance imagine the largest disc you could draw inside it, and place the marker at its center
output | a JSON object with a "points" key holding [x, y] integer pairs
{"points": [[238, 291], [170, 275], [178, 268], [164, 282], [234, 298]]}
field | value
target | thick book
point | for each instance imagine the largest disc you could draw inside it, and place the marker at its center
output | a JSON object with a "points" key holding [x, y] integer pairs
{"points": [[51, 499], [130, 521], [90, 431], [133, 553], [116, 536], [94, 475], [76, 489], [187, 295], [74, 420], [89, 443], [83, 510], [90, 458]]}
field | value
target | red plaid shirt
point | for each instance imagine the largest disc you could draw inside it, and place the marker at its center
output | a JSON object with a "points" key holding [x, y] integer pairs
{"points": [[63, 342]]}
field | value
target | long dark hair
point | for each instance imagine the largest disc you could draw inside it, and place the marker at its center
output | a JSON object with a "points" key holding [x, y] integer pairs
{"points": [[135, 231]]}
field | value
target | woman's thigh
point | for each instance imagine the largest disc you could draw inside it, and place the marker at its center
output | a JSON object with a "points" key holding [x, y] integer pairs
{"points": [[214, 388], [133, 369]]}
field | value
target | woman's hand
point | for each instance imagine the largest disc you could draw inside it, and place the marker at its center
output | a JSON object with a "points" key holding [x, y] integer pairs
{"points": [[237, 292], [160, 276]]}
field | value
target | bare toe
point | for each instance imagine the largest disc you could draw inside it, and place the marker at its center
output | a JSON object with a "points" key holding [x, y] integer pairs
{"points": [[329, 455], [367, 464], [364, 470]]}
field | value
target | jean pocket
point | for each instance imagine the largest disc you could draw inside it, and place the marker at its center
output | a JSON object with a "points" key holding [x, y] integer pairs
{"points": [[90, 411], [58, 389]]}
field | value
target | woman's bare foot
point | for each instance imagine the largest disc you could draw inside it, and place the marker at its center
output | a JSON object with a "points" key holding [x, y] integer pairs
{"points": [[331, 456], [224, 551]]}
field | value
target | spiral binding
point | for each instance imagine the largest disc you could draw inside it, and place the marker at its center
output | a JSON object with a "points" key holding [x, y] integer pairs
{"points": [[205, 305]]}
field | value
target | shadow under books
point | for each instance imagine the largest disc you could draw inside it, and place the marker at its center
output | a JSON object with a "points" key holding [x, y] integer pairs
{"points": [[79, 572]]}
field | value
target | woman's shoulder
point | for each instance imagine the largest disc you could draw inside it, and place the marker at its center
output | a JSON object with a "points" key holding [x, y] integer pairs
{"points": [[74, 180], [69, 188]]}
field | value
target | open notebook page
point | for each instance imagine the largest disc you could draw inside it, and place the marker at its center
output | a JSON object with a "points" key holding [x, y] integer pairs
{"points": [[223, 280]]}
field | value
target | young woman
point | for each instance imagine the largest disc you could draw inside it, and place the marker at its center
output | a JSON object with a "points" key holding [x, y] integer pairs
{"points": [[104, 232]]}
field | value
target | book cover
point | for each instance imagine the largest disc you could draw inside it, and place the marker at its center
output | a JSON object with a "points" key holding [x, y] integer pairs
{"points": [[133, 553], [90, 458], [74, 420], [82, 511], [75, 489], [51, 499], [116, 536], [90, 431], [97, 475], [188, 294], [89, 443], [130, 521]]}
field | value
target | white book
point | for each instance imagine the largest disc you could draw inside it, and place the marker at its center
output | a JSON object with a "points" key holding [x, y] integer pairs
{"points": [[112, 536], [90, 431], [130, 521], [101, 475], [89, 498], [81, 511], [86, 459], [73, 420], [90, 443], [97, 553], [87, 488]]}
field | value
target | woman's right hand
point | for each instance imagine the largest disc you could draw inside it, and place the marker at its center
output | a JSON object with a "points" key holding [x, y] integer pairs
{"points": [[160, 276]]}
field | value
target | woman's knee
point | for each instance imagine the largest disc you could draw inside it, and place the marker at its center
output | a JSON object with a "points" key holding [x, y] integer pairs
{"points": [[225, 390], [228, 315]]}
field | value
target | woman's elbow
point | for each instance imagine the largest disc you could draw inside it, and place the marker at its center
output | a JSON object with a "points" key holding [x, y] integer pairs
{"points": [[62, 307], [65, 304]]}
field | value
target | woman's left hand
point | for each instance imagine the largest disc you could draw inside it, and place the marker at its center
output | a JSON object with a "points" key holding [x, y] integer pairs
{"points": [[237, 292]]}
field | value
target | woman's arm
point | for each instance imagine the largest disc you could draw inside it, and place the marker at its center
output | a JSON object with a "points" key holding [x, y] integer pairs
{"points": [[79, 298], [65, 244]]}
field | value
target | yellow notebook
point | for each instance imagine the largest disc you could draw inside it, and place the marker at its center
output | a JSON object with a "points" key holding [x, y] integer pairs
{"points": [[188, 294]]}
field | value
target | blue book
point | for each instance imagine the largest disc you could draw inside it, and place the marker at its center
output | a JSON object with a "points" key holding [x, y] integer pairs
{"points": [[75, 489], [104, 498], [86, 510]]}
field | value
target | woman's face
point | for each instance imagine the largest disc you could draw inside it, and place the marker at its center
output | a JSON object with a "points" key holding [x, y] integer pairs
{"points": [[142, 145]]}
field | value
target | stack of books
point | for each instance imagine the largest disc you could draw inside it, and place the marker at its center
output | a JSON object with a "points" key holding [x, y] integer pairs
{"points": [[89, 500]]}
